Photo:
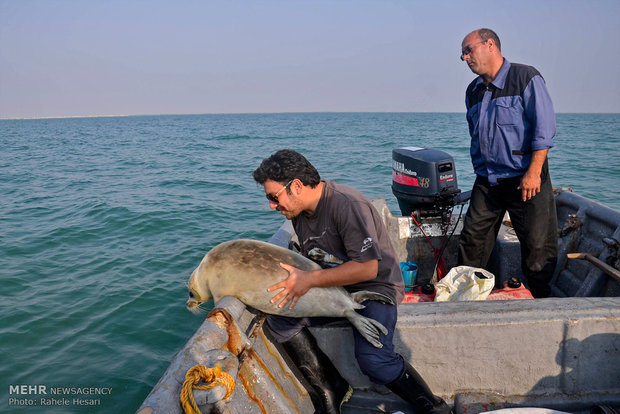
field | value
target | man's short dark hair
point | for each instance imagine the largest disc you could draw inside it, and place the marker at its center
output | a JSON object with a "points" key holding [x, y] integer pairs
{"points": [[486, 34], [286, 165]]}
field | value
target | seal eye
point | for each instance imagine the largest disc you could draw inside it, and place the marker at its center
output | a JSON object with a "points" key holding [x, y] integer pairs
{"points": [[191, 294]]}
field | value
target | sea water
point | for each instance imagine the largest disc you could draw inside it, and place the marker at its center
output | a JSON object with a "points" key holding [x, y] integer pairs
{"points": [[102, 220]]}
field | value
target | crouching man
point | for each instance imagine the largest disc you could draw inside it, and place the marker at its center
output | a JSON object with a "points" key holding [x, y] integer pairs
{"points": [[342, 222]]}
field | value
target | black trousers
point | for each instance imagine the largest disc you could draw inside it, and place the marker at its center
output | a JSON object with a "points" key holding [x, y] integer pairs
{"points": [[534, 221], [381, 365]]}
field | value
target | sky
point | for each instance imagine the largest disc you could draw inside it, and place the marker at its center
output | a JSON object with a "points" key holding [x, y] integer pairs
{"points": [[86, 58]]}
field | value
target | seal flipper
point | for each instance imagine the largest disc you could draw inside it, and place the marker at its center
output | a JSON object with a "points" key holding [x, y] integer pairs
{"points": [[364, 295], [367, 327]]}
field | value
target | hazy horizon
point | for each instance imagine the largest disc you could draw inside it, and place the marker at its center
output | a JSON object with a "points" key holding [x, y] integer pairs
{"points": [[276, 113]]}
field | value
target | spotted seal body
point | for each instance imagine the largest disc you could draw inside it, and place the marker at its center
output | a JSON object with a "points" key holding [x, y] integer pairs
{"points": [[245, 269]]}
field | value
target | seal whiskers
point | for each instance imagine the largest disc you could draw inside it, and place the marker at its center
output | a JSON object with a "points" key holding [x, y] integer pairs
{"points": [[198, 309]]}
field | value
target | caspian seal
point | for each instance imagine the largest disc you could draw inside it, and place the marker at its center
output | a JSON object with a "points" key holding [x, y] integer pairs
{"points": [[246, 268]]}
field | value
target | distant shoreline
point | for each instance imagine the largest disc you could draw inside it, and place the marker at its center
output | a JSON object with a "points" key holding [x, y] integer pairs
{"points": [[66, 117], [270, 113]]}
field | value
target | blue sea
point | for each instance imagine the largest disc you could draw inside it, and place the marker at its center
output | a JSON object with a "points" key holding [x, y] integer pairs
{"points": [[102, 220]]}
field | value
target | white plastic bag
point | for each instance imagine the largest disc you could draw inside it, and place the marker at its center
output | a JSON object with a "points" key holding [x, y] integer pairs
{"points": [[464, 283]]}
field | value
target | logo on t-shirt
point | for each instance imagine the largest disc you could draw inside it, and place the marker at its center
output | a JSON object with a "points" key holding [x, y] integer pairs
{"points": [[366, 244]]}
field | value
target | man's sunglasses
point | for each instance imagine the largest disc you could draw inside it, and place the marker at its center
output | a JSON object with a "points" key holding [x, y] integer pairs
{"points": [[274, 198], [467, 49]]}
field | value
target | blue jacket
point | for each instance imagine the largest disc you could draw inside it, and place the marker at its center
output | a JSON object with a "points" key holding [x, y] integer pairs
{"points": [[508, 119]]}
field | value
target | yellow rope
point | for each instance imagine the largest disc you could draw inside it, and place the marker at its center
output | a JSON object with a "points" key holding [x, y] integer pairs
{"points": [[211, 376]]}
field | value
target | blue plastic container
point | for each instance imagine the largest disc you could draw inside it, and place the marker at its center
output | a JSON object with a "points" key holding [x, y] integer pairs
{"points": [[410, 273]]}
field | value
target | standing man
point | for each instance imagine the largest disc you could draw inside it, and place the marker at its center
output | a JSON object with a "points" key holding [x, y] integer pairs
{"points": [[341, 222], [512, 125]]}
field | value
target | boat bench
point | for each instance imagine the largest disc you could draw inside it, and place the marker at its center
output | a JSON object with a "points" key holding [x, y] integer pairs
{"points": [[549, 353]]}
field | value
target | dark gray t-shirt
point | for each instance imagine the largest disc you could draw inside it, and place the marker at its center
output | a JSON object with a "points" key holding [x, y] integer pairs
{"points": [[346, 225]]}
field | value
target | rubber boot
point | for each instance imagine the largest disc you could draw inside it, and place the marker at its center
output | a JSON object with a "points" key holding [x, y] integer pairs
{"points": [[412, 388], [329, 389]]}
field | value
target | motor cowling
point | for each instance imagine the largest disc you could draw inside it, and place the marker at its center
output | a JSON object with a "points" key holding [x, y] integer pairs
{"points": [[424, 181]]}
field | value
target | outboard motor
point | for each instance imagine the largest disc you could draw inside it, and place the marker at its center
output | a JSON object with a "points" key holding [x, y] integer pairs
{"points": [[424, 182]]}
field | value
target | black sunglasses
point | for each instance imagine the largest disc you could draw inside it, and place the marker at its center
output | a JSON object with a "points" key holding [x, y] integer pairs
{"points": [[467, 49], [274, 198]]}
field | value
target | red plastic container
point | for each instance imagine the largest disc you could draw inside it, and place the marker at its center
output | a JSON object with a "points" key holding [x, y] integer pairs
{"points": [[425, 293], [513, 289]]}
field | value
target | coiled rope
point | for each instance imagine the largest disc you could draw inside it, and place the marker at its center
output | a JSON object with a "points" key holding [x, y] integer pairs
{"points": [[211, 377]]}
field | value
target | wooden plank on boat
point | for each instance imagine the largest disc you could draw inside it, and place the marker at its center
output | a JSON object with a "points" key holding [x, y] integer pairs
{"points": [[611, 271]]}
